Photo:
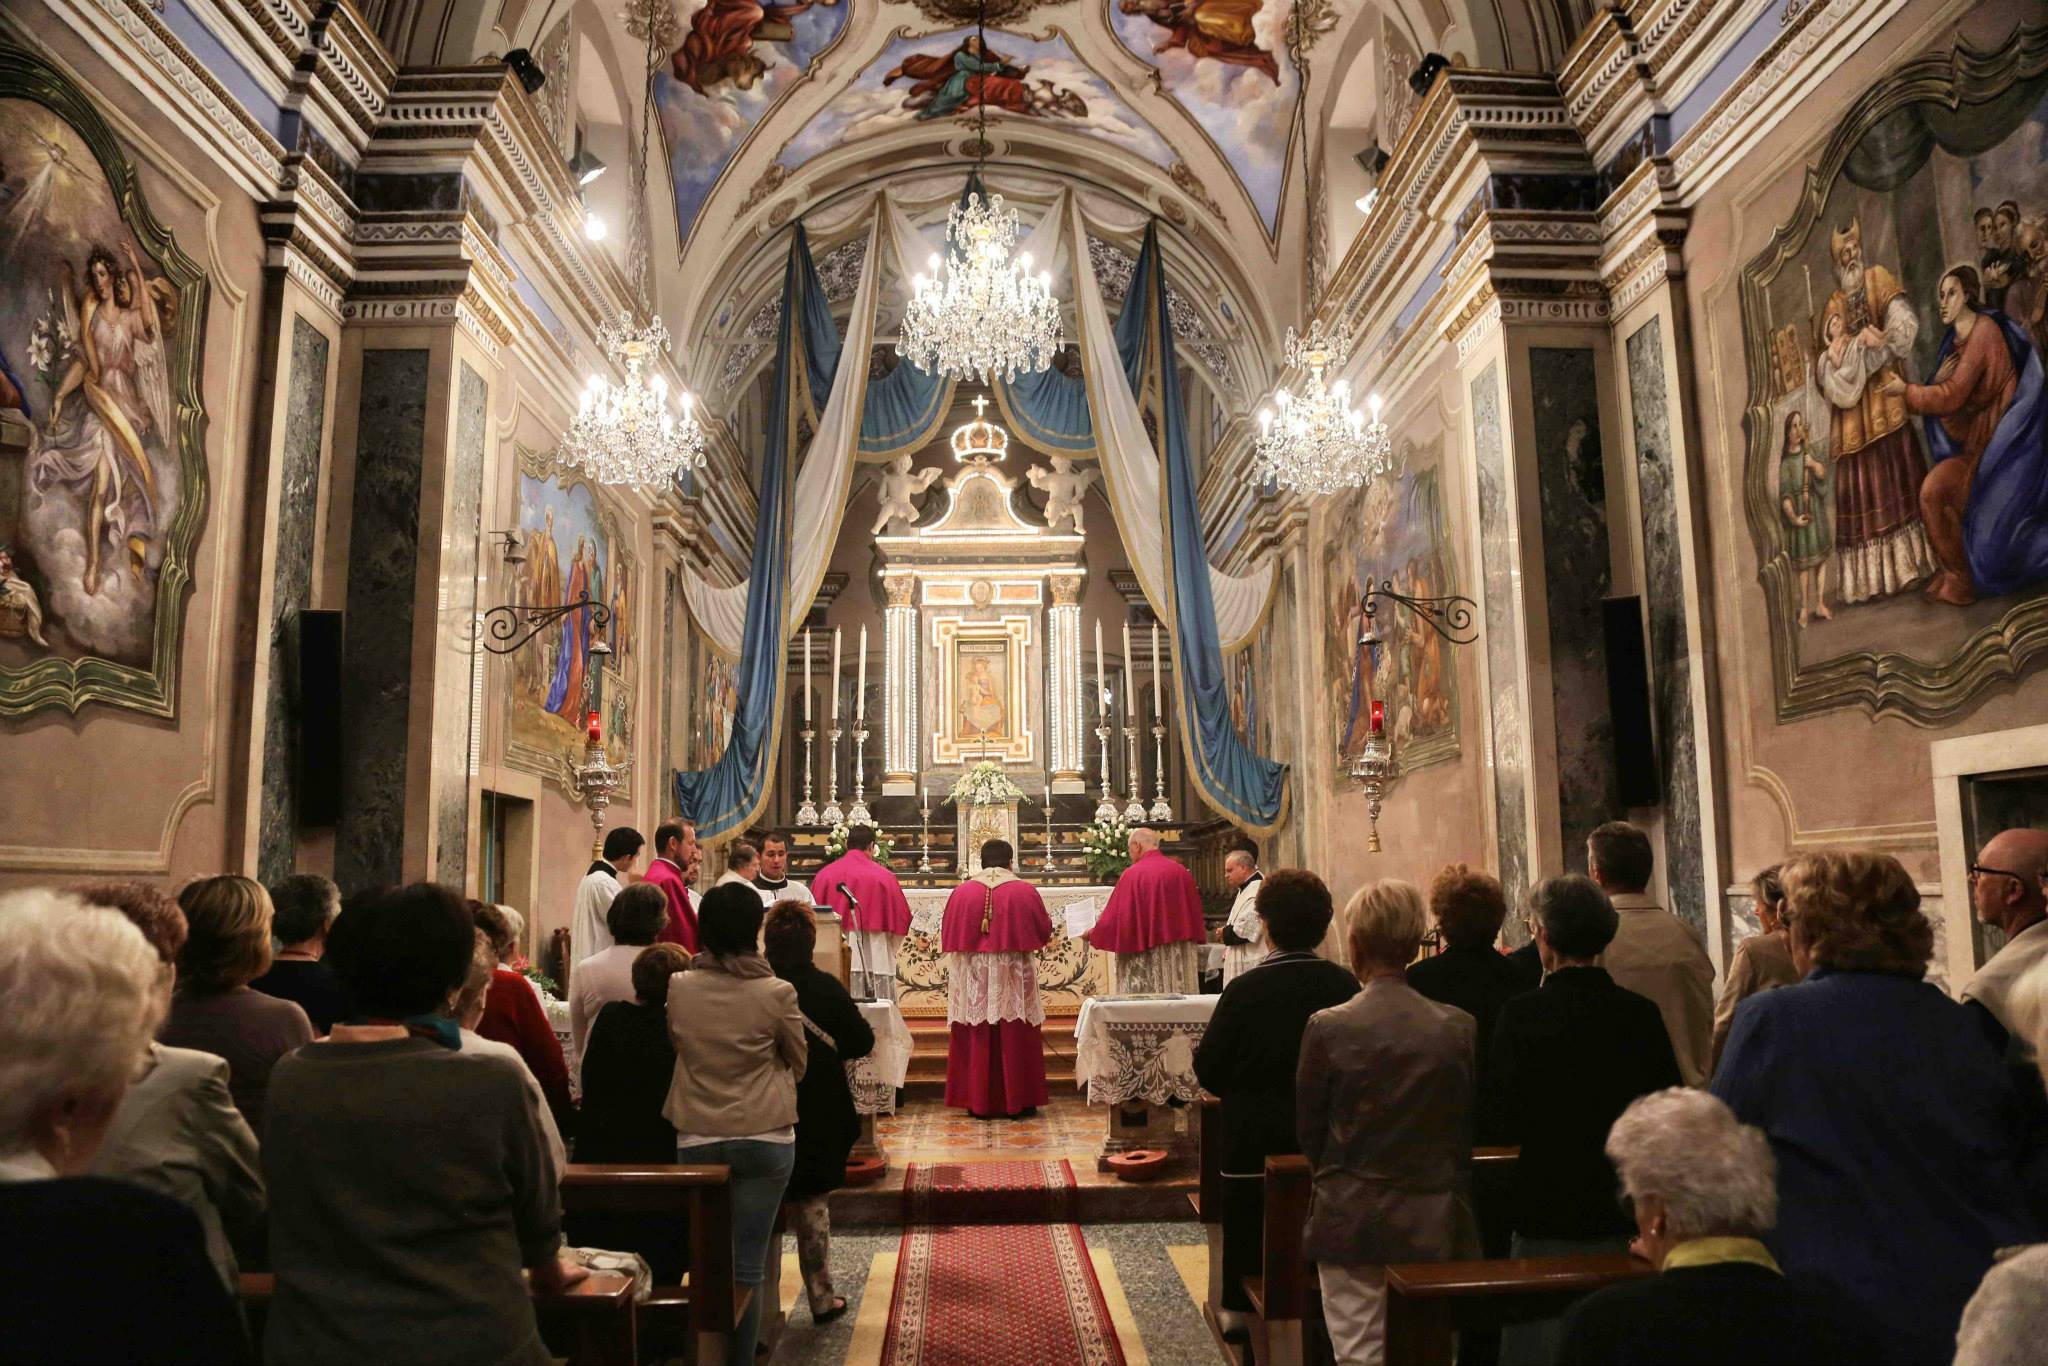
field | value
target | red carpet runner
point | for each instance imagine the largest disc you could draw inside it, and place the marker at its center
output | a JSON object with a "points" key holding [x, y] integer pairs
{"points": [[988, 1294]]}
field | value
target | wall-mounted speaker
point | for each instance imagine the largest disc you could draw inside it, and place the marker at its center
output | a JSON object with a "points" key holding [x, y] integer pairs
{"points": [[1628, 702], [316, 705]]}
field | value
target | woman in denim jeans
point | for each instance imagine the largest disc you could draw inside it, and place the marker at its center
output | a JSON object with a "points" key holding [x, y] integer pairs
{"points": [[740, 1049]]}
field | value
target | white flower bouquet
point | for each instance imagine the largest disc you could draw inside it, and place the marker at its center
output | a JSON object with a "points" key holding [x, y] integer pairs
{"points": [[835, 843], [986, 784], [1106, 846]]}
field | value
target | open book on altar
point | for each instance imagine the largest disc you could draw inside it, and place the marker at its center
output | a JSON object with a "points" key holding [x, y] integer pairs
{"points": [[1081, 916]]}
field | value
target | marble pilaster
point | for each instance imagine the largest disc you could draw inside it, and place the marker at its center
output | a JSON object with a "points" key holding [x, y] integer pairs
{"points": [[1501, 609], [1065, 700], [900, 734], [457, 703]]}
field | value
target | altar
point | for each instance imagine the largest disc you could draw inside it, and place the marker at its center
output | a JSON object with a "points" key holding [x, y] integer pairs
{"points": [[1069, 972]]}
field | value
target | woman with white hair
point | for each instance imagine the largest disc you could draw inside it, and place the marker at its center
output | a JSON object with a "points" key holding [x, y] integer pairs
{"points": [[1383, 1098], [83, 1001], [2006, 1321], [1703, 1189]]}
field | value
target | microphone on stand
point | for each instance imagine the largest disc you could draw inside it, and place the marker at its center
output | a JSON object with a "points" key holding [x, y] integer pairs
{"points": [[859, 946]]}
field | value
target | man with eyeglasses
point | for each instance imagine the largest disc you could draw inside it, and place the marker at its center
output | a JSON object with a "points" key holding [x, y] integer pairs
{"points": [[2006, 894]]}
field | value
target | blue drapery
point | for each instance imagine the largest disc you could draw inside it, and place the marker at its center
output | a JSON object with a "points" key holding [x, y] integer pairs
{"points": [[1245, 786], [1049, 411], [902, 410], [727, 795]]}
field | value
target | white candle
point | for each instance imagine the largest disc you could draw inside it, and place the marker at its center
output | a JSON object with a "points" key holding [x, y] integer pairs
{"points": [[1158, 707], [807, 677], [860, 691], [1125, 676], [1130, 667], [1101, 683], [835, 673]]}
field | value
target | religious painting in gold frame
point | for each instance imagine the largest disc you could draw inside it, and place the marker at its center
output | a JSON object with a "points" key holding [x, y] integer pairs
{"points": [[984, 708]]}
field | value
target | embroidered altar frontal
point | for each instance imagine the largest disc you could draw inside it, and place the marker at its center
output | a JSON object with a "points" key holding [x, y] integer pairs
{"points": [[1069, 972]]}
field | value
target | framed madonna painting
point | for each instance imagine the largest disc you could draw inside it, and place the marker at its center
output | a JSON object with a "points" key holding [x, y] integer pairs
{"points": [[1896, 478], [102, 474]]}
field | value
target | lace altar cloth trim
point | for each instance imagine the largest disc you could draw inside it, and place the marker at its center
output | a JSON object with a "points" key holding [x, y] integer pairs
{"points": [[989, 988]]}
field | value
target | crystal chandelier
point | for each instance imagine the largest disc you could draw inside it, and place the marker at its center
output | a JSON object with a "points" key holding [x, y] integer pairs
{"points": [[626, 433], [981, 315], [1318, 443]]}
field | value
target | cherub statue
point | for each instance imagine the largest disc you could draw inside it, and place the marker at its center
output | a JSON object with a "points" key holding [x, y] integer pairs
{"points": [[1064, 487], [900, 489]]}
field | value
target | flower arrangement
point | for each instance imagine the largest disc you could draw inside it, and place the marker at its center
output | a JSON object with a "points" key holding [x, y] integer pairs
{"points": [[986, 784], [835, 843], [1106, 847], [538, 978]]}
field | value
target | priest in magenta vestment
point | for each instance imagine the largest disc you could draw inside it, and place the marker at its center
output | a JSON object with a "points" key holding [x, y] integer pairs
{"points": [[995, 924], [876, 914], [1153, 923]]}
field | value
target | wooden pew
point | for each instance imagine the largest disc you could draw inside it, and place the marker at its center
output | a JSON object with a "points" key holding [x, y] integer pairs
{"points": [[591, 1323], [691, 1319], [1279, 1293], [1427, 1302]]}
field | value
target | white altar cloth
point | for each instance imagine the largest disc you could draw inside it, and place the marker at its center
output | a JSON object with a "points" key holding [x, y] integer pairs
{"points": [[875, 1078], [1140, 1048]]}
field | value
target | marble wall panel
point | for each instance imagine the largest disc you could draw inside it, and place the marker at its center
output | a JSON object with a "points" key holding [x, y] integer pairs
{"points": [[383, 555], [669, 592], [456, 704], [1671, 661], [1578, 572], [1503, 617], [298, 501]]}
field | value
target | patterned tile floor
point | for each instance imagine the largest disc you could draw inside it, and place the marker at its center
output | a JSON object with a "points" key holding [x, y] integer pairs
{"points": [[1150, 1273], [926, 1131]]}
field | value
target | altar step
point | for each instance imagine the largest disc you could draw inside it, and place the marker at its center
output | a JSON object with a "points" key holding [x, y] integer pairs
{"points": [[930, 1035]]}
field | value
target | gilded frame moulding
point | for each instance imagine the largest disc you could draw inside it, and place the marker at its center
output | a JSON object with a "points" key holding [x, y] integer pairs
{"points": [[69, 685], [1885, 682]]}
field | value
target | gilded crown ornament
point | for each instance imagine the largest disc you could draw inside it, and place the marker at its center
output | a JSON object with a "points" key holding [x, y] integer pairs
{"points": [[980, 442]]}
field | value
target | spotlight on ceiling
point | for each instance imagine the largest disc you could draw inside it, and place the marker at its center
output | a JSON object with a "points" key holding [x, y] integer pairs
{"points": [[593, 227], [526, 69], [1425, 72], [1372, 160], [1366, 201], [585, 166]]}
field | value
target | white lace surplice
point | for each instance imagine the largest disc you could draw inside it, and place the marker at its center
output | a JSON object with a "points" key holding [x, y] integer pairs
{"points": [[1167, 969], [989, 988]]}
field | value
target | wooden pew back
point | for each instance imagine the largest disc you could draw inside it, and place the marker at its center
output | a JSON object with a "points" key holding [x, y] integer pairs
{"points": [[1428, 1302], [591, 1323], [690, 1204]]}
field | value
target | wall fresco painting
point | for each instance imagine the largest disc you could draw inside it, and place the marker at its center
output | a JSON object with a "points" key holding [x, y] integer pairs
{"points": [[569, 539], [1226, 62], [102, 475], [1392, 529], [1897, 474], [952, 74], [737, 59]]}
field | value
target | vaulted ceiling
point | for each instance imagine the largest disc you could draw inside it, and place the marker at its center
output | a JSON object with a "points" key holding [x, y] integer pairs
{"points": [[1235, 122]]}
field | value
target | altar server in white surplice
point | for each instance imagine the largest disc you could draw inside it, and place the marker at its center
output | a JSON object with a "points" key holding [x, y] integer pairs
{"points": [[588, 933], [1244, 933]]}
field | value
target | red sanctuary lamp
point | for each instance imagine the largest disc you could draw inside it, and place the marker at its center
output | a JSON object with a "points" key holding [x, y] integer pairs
{"points": [[596, 731], [1379, 718]]}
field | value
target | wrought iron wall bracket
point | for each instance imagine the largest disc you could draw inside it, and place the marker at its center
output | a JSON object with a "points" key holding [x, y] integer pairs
{"points": [[1449, 616], [504, 629]]}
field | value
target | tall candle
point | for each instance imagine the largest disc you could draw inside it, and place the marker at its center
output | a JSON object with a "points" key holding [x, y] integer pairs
{"points": [[1130, 666], [1158, 707], [835, 673], [1101, 683], [807, 677], [860, 691]]}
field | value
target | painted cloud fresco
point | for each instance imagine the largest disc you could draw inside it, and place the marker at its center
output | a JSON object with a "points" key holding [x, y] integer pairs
{"points": [[737, 58], [1226, 62], [948, 75]]}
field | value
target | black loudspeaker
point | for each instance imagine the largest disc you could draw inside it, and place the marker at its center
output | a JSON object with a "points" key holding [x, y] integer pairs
{"points": [[317, 705], [1628, 702]]}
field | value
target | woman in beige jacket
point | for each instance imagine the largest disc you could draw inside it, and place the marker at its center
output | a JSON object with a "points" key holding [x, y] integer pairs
{"points": [[740, 1050]]}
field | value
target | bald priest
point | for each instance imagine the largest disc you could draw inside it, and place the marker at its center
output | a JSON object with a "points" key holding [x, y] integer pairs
{"points": [[1153, 923], [994, 927]]}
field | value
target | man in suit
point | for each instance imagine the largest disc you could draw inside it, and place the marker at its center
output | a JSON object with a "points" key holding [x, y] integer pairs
{"points": [[1249, 1053], [1565, 1061], [1654, 953]]}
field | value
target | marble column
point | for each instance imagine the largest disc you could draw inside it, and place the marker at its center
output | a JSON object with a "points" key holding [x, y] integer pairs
{"points": [[900, 666], [1065, 701]]}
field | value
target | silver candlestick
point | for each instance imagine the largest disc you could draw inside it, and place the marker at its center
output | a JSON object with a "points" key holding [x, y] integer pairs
{"points": [[807, 814], [1105, 810], [1162, 810], [1373, 770], [1134, 809], [924, 821], [1051, 865], [832, 815], [857, 814]]}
